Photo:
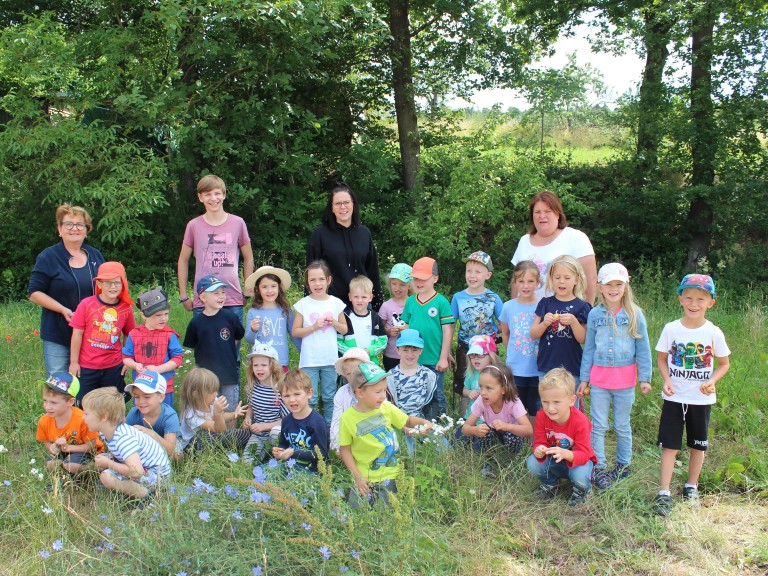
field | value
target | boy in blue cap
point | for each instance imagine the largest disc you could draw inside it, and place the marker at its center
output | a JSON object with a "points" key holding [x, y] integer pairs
{"points": [[213, 335], [693, 357]]}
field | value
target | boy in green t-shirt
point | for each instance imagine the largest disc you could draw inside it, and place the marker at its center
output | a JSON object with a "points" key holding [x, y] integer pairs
{"points": [[430, 313], [367, 439]]}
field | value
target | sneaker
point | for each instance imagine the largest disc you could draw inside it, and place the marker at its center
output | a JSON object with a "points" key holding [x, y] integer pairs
{"points": [[602, 479], [662, 505], [546, 492], [691, 495], [579, 496], [621, 471]]}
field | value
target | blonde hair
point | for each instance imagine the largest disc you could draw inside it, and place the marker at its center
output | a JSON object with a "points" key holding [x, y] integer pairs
{"points": [[106, 403], [361, 283], [295, 379], [470, 371], [574, 266], [197, 384], [69, 210], [211, 182], [630, 307], [558, 379], [275, 375], [503, 375]]}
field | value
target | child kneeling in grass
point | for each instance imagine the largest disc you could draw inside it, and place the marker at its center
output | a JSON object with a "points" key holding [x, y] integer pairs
{"points": [[137, 462], [367, 439], [561, 439]]}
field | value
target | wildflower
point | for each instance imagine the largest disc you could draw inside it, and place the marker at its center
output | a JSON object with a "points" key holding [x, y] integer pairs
{"points": [[258, 475], [57, 545], [237, 515], [233, 457], [3, 449], [8, 338], [7, 482], [183, 499], [185, 562], [172, 489], [32, 461], [47, 510], [205, 516], [355, 554], [181, 574], [343, 569], [325, 552], [306, 526], [109, 545], [36, 332], [258, 497], [257, 571], [107, 530], [290, 463], [44, 553], [231, 492], [273, 463]]}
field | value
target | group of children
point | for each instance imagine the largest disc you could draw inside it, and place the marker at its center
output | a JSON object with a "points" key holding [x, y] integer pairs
{"points": [[559, 350]]}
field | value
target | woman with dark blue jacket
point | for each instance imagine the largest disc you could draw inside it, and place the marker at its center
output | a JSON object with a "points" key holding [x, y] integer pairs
{"points": [[63, 275]]}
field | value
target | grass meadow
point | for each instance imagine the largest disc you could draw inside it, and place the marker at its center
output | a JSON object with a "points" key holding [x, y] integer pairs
{"points": [[220, 516]]}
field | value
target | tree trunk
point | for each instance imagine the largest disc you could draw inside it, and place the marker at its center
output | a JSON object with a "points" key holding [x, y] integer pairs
{"points": [[651, 106], [703, 140], [402, 82]]}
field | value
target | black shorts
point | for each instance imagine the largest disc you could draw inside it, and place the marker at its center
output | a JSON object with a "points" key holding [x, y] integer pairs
{"points": [[695, 419]]}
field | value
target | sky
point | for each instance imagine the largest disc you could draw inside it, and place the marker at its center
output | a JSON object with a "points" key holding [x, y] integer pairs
{"points": [[620, 73]]}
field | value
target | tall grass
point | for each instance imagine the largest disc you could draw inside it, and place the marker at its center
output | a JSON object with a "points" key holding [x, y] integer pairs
{"points": [[225, 517]]}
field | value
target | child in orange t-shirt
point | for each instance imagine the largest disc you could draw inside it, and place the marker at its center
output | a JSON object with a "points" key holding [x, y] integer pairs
{"points": [[66, 437]]}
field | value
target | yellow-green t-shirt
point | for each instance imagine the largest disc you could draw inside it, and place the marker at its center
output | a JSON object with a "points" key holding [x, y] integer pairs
{"points": [[373, 440]]}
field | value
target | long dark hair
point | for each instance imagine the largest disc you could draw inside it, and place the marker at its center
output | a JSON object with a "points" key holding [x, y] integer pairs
{"points": [[282, 300], [329, 218]]}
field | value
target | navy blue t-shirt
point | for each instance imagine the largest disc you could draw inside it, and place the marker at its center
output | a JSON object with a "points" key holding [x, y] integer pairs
{"points": [[213, 339], [303, 435], [557, 346]]}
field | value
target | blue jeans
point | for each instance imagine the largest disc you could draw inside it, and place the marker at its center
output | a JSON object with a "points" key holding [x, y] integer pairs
{"points": [[326, 376], [232, 394], [549, 472], [600, 403], [439, 405], [56, 357]]}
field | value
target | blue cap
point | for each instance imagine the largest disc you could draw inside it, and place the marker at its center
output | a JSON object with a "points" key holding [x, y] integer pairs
{"points": [[700, 281], [410, 337], [209, 284]]}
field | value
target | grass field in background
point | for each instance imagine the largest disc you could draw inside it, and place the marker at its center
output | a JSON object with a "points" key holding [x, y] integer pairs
{"points": [[448, 519]]}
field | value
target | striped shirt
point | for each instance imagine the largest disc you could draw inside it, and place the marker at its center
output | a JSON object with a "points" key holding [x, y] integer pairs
{"points": [[266, 406], [127, 441]]}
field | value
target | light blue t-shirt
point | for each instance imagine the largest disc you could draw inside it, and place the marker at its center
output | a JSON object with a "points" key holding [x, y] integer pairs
{"points": [[476, 314], [167, 422], [522, 350], [274, 329]]}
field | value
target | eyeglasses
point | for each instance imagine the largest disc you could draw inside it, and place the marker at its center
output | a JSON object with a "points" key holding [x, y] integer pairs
{"points": [[73, 225], [111, 284], [345, 203]]}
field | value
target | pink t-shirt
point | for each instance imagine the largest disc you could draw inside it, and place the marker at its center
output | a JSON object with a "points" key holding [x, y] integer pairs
{"points": [[390, 312], [217, 251], [511, 412], [102, 324]]}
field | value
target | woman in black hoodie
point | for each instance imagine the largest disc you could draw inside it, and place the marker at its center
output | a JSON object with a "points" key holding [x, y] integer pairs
{"points": [[345, 245]]}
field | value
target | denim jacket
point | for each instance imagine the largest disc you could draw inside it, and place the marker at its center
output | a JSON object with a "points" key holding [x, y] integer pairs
{"points": [[609, 347]]}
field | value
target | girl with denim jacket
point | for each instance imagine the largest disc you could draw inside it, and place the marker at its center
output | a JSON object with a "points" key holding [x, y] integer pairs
{"points": [[616, 354]]}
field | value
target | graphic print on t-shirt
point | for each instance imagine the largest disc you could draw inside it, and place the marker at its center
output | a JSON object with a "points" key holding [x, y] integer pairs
{"points": [[106, 333], [219, 257], [376, 426]]}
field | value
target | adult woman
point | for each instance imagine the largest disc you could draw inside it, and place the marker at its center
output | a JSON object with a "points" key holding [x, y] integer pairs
{"points": [[63, 275], [549, 237], [345, 245]]}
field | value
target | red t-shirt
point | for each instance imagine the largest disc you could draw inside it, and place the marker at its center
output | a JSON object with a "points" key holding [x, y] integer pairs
{"points": [[573, 435], [102, 324]]}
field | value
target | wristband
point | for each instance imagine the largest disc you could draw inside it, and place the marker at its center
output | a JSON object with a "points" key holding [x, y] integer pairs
{"points": [[182, 300]]}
